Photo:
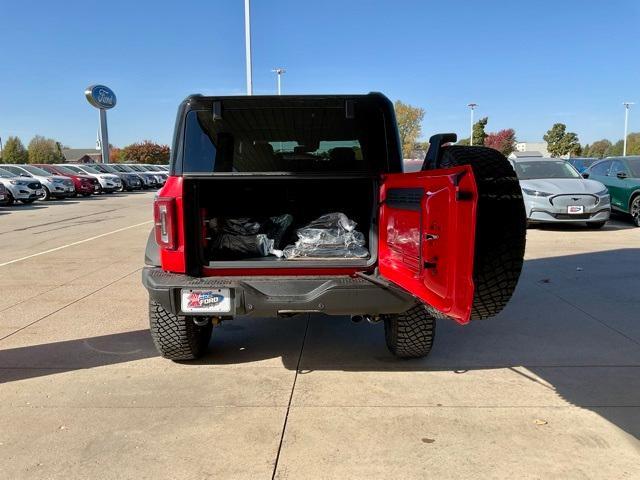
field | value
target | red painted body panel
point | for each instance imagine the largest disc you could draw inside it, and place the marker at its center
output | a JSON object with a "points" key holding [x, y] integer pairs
{"points": [[82, 183], [429, 251], [174, 260]]}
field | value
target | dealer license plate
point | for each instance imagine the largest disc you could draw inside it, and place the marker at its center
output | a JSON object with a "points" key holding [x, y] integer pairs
{"points": [[195, 300], [575, 209]]}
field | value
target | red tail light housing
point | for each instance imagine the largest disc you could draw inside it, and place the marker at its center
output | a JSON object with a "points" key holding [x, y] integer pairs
{"points": [[164, 216]]}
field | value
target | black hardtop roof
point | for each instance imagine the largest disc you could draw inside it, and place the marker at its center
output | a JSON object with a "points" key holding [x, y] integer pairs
{"points": [[373, 99], [238, 101]]}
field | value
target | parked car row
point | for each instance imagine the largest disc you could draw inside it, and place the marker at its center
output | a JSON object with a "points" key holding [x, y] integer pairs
{"points": [[30, 182], [554, 190]]}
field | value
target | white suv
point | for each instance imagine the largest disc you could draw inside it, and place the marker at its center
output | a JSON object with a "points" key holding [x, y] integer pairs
{"points": [[25, 190], [109, 182], [55, 186]]}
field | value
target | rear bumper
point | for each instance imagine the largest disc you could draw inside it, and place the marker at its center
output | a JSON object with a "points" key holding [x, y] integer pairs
{"points": [[274, 296]]}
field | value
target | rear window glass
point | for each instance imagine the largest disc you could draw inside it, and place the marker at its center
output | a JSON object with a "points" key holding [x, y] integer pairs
{"points": [[284, 139]]}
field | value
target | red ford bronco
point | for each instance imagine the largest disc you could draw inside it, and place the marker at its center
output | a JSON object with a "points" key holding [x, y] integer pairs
{"points": [[239, 224]]}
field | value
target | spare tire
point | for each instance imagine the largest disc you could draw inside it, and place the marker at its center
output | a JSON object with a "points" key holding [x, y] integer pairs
{"points": [[501, 226]]}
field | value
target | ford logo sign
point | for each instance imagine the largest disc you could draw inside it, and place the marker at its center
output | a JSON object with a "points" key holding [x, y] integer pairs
{"points": [[100, 96]]}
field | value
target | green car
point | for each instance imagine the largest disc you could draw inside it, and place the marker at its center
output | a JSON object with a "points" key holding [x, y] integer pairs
{"points": [[621, 175]]}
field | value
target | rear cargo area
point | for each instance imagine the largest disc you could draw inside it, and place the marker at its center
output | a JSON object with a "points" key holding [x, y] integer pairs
{"points": [[282, 204]]}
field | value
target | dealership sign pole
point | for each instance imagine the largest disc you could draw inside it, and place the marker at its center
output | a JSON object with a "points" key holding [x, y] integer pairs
{"points": [[103, 99]]}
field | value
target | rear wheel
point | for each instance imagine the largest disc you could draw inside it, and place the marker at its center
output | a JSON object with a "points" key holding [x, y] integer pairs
{"points": [[410, 334], [634, 210], [177, 337], [501, 226]]}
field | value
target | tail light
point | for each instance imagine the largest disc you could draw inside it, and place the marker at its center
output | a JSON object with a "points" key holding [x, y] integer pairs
{"points": [[164, 214]]}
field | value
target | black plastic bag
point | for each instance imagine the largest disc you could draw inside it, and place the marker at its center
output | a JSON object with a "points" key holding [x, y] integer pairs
{"points": [[276, 228], [227, 246]]}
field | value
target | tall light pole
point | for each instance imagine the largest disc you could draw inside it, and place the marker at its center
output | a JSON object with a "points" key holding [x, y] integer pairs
{"points": [[247, 44], [472, 106], [627, 105], [279, 71]]}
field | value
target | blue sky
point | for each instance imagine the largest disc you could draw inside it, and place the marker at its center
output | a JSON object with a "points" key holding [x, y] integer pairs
{"points": [[527, 64]]}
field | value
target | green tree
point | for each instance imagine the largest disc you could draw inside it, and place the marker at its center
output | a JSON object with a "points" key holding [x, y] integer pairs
{"points": [[463, 141], [409, 119], [597, 149], [144, 152], [614, 150], [479, 135], [14, 151], [560, 142], [585, 150], [44, 150], [633, 143]]}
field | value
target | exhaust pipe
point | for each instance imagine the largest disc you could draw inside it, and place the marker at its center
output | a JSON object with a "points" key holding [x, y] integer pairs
{"points": [[373, 319], [201, 321]]}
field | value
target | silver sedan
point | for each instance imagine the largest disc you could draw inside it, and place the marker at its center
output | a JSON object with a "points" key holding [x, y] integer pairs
{"points": [[554, 192]]}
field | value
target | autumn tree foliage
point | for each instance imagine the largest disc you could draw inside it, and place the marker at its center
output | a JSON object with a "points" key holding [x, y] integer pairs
{"points": [[144, 152], [409, 119], [114, 154], [504, 141], [597, 149]]}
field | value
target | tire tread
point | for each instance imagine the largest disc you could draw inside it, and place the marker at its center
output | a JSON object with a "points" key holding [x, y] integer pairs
{"points": [[501, 227], [410, 334], [177, 337]]}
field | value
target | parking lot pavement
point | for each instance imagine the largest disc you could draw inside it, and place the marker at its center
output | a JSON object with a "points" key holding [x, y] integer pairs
{"points": [[548, 389]]}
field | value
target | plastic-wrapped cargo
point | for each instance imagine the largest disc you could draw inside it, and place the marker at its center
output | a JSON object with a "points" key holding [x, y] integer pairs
{"points": [[332, 235]]}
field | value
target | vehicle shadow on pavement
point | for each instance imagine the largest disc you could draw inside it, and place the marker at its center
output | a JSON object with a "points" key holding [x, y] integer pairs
{"points": [[571, 328], [50, 358], [618, 221], [21, 207]]}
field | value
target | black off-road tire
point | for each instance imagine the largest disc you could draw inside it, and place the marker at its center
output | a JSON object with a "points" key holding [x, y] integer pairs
{"points": [[177, 337], [410, 334], [501, 226]]}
